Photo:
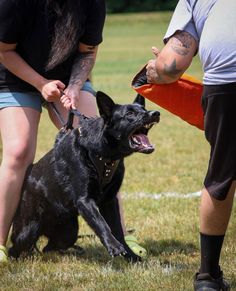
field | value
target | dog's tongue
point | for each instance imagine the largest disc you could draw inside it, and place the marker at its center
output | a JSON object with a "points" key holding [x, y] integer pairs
{"points": [[141, 139], [141, 143]]}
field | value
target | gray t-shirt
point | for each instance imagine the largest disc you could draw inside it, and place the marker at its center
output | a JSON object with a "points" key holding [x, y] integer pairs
{"points": [[213, 24]]}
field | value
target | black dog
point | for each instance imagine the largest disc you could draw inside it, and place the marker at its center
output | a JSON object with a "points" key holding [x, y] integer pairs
{"points": [[81, 175]]}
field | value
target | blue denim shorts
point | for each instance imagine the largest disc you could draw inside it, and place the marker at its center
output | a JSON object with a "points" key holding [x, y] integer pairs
{"points": [[31, 99]]}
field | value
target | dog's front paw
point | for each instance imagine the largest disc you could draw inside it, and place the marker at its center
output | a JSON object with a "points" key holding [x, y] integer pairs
{"points": [[116, 249], [132, 257], [13, 253]]}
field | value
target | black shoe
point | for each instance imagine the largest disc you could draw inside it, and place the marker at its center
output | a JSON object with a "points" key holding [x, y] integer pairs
{"points": [[204, 282]]}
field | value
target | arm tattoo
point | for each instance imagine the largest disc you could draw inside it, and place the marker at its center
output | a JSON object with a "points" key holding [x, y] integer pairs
{"points": [[171, 70], [83, 65], [181, 43]]}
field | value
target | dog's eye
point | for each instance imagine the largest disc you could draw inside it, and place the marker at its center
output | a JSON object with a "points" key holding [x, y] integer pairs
{"points": [[129, 113]]}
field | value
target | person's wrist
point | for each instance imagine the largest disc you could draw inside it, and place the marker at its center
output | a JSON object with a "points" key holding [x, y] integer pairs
{"points": [[75, 87], [40, 83]]}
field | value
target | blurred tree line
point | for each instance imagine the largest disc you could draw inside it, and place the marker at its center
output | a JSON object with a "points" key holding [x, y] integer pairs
{"points": [[114, 6]]}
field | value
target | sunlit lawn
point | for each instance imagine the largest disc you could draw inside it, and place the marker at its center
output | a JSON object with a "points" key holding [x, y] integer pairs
{"points": [[167, 227]]}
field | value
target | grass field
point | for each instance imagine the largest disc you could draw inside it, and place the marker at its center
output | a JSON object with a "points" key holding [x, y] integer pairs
{"points": [[167, 227]]}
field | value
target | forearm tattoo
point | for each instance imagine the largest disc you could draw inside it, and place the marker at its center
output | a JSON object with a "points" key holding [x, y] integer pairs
{"points": [[181, 44], [83, 65], [171, 70]]}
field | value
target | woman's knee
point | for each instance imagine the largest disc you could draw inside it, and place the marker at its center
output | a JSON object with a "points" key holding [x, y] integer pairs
{"points": [[19, 128], [18, 154]]}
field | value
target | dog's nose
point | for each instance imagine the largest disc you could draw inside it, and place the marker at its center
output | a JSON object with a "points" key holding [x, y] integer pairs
{"points": [[155, 113]]}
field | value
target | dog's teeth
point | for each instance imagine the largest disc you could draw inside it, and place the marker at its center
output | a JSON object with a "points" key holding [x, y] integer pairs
{"points": [[136, 140], [147, 126]]}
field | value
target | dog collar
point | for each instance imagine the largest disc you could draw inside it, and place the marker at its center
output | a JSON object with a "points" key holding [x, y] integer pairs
{"points": [[105, 168]]}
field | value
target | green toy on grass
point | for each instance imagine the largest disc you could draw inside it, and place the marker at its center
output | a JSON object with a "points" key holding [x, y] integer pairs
{"points": [[134, 246]]}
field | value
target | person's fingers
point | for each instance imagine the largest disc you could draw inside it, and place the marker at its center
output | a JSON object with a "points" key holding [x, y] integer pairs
{"points": [[67, 105], [63, 98], [151, 72], [74, 104], [72, 101], [53, 89], [72, 93], [60, 85], [66, 102], [56, 88], [149, 64], [155, 51]]}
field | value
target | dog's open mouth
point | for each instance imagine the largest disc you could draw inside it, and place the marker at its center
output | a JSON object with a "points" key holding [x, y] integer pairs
{"points": [[139, 141]]}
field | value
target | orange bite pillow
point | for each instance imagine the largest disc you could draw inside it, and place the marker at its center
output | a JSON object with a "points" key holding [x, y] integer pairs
{"points": [[182, 98]]}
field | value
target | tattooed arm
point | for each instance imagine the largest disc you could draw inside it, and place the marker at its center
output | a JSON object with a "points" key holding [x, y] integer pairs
{"points": [[173, 60], [81, 69]]}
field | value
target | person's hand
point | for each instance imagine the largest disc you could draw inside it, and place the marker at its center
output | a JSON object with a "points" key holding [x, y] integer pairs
{"points": [[51, 90], [70, 98], [151, 68]]}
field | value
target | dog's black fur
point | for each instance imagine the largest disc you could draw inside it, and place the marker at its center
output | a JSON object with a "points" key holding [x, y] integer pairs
{"points": [[81, 175]]}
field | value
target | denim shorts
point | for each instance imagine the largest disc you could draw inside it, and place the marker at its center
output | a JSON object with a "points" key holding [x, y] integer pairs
{"points": [[33, 100]]}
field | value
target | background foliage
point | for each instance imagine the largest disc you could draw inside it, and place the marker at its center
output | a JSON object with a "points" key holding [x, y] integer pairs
{"points": [[114, 6]]}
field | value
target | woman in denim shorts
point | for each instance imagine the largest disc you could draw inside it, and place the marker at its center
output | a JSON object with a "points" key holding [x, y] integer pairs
{"points": [[47, 51]]}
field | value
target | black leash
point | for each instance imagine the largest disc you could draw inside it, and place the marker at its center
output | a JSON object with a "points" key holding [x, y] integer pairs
{"points": [[69, 123], [70, 119], [57, 113]]}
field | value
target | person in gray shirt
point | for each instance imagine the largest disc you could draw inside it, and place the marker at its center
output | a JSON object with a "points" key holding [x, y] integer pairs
{"points": [[199, 27]]}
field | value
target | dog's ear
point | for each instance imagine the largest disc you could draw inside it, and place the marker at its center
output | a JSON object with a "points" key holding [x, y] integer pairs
{"points": [[140, 100], [105, 105]]}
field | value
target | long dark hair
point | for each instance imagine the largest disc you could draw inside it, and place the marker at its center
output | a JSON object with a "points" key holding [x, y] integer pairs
{"points": [[66, 30]]}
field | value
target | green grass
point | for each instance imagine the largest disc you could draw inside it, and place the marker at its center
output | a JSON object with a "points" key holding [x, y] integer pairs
{"points": [[167, 227]]}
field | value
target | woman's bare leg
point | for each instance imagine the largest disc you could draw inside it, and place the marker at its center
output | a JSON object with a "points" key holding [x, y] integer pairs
{"points": [[19, 127]]}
